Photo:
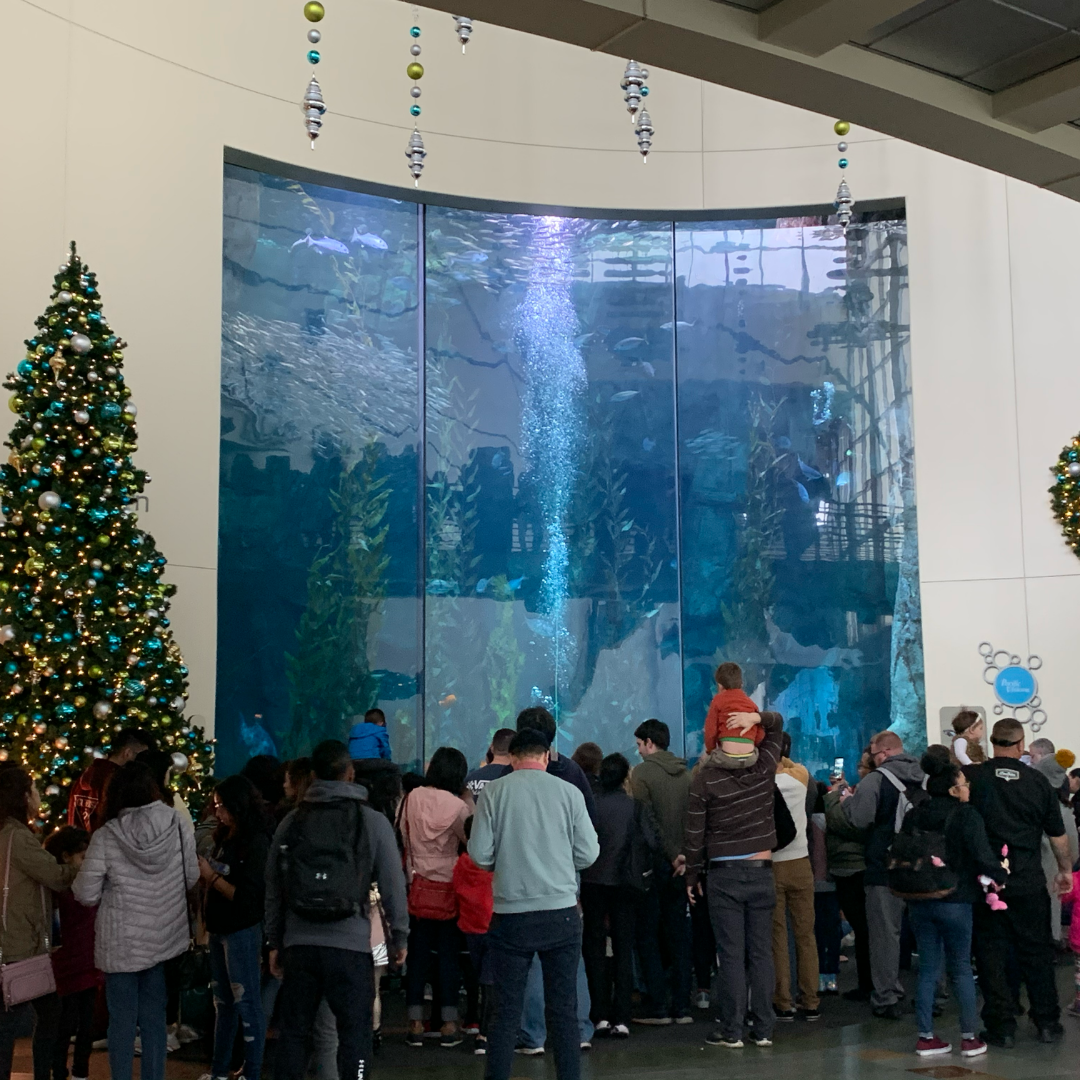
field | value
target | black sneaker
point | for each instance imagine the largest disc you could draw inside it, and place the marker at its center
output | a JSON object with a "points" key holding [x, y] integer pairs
{"points": [[895, 1011], [449, 1039], [785, 1016], [480, 1046], [856, 995], [1003, 1042], [414, 1038], [810, 1014], [1049, 1033], [529, 1051], [716, 1037], [759, 1040], [683, 1017]]}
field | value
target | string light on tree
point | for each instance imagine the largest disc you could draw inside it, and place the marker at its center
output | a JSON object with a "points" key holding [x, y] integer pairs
{"points": [[464, 29], [313, 106], [81, 593], [1064, 495], [844, 203], [415, 152]]}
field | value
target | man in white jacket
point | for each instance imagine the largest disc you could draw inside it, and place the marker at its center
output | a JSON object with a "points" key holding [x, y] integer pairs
{"points": [[795, 897]]}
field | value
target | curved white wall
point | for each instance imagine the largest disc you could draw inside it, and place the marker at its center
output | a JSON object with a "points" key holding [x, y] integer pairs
{"points": [[113, 135]]}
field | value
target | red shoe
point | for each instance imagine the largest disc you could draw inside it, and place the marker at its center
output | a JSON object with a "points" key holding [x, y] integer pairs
{"points": [[932, 1047], [972, 1048]]}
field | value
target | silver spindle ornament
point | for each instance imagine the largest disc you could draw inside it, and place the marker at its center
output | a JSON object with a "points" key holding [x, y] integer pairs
{"points": [[632, 81], [313, 108], [644, 133], [464, 30], [416, 154], [844, 203]]}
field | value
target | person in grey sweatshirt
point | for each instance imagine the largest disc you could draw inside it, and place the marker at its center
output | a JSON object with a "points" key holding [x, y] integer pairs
{"points": [[872, 805], [533, 830], [332, 959]]}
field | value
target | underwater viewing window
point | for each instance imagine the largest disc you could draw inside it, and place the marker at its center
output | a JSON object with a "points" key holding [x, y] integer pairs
{"points": [[474, 459]]}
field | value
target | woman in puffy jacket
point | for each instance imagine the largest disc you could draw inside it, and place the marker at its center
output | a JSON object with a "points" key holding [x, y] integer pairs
{"points": [[27, 874], [138, 870], [433, 830]]}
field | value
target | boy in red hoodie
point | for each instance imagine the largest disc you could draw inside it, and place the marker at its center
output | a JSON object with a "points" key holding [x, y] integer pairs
{"points": [[729, 700], [475, 903]]}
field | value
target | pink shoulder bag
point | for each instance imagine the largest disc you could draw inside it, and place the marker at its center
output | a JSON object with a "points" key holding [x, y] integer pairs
{"points": [[31, 978]]}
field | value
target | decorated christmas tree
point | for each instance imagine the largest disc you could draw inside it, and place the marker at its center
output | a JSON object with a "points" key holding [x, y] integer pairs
{"points": [[85, 645]]}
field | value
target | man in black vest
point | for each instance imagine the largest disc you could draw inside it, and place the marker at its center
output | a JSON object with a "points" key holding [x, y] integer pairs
{"points": [[1019, 808]]}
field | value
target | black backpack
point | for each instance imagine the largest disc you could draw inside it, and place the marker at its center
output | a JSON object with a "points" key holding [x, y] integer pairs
{"points": [[327, 861], [918, 864], [786, 829]]}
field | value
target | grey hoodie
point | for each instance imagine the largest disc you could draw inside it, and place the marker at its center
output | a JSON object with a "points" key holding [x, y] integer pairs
{"points": [[138, 869], [285, 928]]}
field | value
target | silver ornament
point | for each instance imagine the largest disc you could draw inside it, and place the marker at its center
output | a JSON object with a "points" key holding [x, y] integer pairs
{"points": [[844, 203], [414, 49], [110, 371], [63, 297], [7, 633], [179, 761], [49, 500], [131, 409], [1074, 468], [92, 376], [415, 91], [314, 36], [313, 106], [644, 132], [80, 344], [464, 30], [632, 81], [842, 147], [81, 416], [416, 154], [52, 790], [177, 703], [102, 709]]}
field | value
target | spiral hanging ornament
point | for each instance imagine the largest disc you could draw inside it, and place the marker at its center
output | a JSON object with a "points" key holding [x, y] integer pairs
{"points": [[844, 203], [464, 30], [644, 132], [633, 86], [313, 106], [415, 152]]}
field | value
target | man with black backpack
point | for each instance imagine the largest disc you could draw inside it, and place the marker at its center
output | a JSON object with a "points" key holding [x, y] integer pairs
{"points": [[878, 804], [325, 855]]}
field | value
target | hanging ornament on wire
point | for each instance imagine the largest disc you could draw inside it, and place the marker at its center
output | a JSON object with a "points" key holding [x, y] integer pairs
{"points": [[644, 132], [844, 202], [415, 151], [313, 106], [464, 30], [634, 88]]}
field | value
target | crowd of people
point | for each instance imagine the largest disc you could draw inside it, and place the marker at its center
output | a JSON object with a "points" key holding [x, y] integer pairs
{"points": [[538, 889]]}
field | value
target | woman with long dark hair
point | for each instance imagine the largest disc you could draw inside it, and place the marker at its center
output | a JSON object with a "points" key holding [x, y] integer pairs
{"points": [[234, 877], [138, 870], [28, 873], [433, 830]]}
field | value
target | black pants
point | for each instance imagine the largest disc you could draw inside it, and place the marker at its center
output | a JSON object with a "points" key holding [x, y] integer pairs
{"points": [[703, 944], [827, 932], [608, 908], [513, 940], [662, 927], [851, 892], [441, 939], [76, 1013], [742, 896], [1024, 929], [347, 980], [47, 1013]]}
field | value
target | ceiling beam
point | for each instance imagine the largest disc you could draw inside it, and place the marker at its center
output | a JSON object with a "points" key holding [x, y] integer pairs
{"points": [[721, 44], [813, 27], [1042, 102]]}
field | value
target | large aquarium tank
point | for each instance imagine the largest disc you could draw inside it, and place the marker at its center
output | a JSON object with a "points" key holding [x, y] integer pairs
{"points": [[474, 460]]}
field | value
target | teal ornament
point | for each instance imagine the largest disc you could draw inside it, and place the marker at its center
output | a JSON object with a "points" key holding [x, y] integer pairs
{"points": [[313, 56], [134, 687], [25, 367], [644, 91], [843, 163], [415, 31], [414, 110], [110, 410], [65, 710], [11, 667]]}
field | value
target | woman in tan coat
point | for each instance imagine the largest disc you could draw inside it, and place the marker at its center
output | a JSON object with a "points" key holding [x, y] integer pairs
{"points": [[28, 873]]}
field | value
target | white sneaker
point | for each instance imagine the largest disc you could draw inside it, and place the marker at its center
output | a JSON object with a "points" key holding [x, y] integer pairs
{"points": [[620, 1031], [138, 1045], [171, 1043], [701, 999], [186, 1034]]}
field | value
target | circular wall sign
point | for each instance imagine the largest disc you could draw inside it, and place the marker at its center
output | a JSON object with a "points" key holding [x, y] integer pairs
{"points": [[1015, 686]]}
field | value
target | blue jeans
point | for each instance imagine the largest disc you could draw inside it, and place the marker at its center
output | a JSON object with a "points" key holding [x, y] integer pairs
{"points": [[235, 981], [943, 933], [136, 999], [533, 1026], [513, 941]]}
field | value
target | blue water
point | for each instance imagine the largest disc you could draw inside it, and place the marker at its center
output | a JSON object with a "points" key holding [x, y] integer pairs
{"points": [[645, 448]]}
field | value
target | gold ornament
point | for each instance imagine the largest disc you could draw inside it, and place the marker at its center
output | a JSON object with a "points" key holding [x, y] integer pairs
{"points": [[841, 127], [415, 70], [313, 12]]}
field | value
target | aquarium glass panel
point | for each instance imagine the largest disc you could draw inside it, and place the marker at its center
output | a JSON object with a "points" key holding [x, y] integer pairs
{"points": [[318, 601], [799, 547], [551, 540]]}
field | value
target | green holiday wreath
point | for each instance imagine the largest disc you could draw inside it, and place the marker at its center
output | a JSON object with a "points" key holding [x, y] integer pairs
{"points": [[1065, 494]]}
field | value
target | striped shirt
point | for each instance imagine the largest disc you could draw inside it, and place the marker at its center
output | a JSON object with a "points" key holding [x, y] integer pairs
{"points": [[731, 810]]}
